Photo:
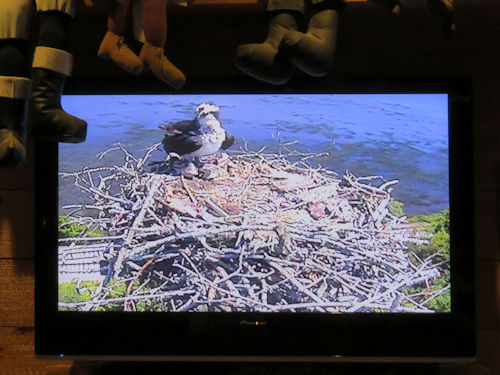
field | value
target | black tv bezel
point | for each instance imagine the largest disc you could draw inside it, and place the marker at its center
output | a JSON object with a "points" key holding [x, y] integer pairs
{"points": [[279, 336]]}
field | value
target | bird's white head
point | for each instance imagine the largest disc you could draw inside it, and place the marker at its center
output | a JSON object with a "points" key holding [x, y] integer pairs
{"points": [[205, 109]]}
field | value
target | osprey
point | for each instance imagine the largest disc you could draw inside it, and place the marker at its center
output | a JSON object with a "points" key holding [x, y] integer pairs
{"points": [[199, 137]]}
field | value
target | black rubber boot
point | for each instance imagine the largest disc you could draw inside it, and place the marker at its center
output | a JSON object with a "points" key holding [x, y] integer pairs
{"points": [[261, 60], [12, 132], [52, 63], [46, 119], [313, 51], [442, 11]]}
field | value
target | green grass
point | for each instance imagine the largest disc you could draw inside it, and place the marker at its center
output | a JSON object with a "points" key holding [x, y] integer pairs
{"points": [[68, 292], [72, 229], [437, 227], [396, 208]]}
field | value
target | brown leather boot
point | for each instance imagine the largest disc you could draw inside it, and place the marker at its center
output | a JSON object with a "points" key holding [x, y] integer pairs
{"points": [[113, 47], [153, 57]]}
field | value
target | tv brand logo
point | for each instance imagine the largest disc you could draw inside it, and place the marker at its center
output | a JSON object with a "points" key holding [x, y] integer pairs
{"points": [[252, 323]]}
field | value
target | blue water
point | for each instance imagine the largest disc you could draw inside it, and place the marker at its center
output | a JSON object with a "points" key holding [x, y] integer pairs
{"points": [[402, 136]]}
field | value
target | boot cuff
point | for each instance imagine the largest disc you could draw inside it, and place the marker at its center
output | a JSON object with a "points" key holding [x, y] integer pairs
{"points": [[14, 87], [53, 59]]}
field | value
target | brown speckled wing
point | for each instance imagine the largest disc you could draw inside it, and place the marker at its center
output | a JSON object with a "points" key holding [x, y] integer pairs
{"points": [[182, 144]]}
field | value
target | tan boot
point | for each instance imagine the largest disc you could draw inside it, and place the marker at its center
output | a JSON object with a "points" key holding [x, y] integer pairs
{"points": [[113, 47], [154, 58]]}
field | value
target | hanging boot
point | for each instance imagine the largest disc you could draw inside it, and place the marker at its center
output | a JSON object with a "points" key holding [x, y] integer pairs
{"points": [[313, 51], [442, 11], [46, 119], [15, 62], [113, 47], [153, 57], [13, 98], [262, 60], [52, 63]]}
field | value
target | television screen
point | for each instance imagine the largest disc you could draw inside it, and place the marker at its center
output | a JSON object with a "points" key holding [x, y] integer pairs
{"points": [[291, 223], [331, 203]]}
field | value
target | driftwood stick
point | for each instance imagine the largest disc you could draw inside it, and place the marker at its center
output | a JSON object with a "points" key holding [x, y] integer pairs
{"points": [[188, 190], [91, 239], [124, 251], [301, 287], [168, 294], [202, 233], [216, 208], [150, 150]]}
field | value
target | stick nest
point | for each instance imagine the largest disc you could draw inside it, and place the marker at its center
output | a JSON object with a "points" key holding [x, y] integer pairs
{"points": [[255, 231]]}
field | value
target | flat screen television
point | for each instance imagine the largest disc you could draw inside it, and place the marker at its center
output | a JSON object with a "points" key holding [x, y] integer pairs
{"points": [[323, 223]]}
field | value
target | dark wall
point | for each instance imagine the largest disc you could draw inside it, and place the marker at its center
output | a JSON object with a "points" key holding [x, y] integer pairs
{"points": [[202, 39]]}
